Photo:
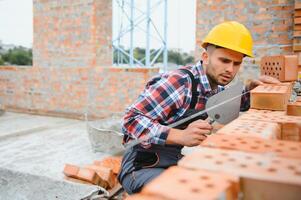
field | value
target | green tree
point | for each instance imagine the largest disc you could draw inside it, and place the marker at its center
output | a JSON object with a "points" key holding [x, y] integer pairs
{"points": [[189, 60], [18, 56], [173, 56], [1, 61]]}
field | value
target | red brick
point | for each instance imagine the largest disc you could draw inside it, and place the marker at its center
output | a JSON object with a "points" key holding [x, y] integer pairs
{"points": [[280, 8], [76, 172], [299, 58], [297, 13], [297, 20], [144, 197], [269, 116], [88, 175], [113, 163], [297, 27], [77, 180], [179, 183], [291, 131], [296, 47], [297, 5], [294, 109], [286, 149], [283, 67], [71, 170], [270, 97], [290, 125], [272, 173], [108, 179], [267, 130], [297, 33]]}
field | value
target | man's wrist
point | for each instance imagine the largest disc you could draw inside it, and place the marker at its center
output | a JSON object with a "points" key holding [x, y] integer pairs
{"points": [[174, 136]]}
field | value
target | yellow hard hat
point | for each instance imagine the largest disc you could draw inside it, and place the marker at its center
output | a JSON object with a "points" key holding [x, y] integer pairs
{"points": [[231, 35]]}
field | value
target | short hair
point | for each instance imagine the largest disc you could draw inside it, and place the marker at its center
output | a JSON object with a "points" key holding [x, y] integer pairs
{"points": [[211, 47]]}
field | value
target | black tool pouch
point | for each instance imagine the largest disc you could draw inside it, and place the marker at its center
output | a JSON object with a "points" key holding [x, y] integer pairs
{"points": [[157, 156], [145, 159]]}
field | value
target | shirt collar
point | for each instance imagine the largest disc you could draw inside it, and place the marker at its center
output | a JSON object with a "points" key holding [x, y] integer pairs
{"points": [[206, 88]]}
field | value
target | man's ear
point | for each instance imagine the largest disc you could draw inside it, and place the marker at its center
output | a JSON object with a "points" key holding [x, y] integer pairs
{"points": [[205, 58]]}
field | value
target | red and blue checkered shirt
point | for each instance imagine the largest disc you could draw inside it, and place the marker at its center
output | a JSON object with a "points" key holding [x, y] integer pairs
{"points": [[164, 100]]}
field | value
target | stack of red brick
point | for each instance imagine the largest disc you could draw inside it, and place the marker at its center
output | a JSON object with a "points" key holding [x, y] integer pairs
{"points": [[257, 156], [297, 27], [101, 172]]}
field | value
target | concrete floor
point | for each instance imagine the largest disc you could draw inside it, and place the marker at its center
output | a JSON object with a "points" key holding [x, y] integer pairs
{"points": [[33, 152]]}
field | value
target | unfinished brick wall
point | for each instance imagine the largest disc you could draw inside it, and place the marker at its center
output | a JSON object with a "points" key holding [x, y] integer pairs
{"points": [[72, 64], [70, 91], [270, 22], [72, 33]]}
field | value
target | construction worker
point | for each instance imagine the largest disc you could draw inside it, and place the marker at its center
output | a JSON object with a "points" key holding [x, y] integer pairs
{"points": [[175, 95]]}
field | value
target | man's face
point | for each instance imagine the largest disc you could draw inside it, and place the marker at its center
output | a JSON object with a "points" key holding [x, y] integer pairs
{"points": [[222, 65]]}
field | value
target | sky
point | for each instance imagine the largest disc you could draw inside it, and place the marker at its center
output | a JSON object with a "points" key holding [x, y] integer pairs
{"points": [[16, 23]]}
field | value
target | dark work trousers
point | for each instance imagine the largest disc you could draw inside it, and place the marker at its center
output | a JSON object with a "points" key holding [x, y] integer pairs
{"points": [[139, 166]]}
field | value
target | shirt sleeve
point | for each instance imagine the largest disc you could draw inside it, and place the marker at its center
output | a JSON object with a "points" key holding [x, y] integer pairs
{"points": [[144, 118]]}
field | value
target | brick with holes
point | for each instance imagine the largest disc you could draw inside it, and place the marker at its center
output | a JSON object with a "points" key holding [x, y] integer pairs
{"points": [[145, 197], [282, 67], [178, 183], [270, 96], [263, 176], [267, 130], [269, 116], [290, 125], [241, 142]]}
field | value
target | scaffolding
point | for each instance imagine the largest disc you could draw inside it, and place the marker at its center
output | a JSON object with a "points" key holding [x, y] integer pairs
{"points": [[131, 18]]}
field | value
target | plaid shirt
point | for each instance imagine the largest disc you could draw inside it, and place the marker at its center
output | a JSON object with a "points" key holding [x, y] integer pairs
{"points": [[164, 100]]}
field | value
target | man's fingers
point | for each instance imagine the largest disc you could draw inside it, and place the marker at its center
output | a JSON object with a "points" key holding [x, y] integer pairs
{"points": [[201, 124], [201, 137], [257, 82], [268, 79], [201, 131]]}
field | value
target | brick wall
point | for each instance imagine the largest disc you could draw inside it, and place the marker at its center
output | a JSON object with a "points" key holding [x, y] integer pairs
{"points": [[72, 64], [70, 91], [270, 22], [72, 33]]}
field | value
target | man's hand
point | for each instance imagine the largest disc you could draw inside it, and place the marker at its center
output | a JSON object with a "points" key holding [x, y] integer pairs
{"points": [[193, 135], [262, 79]]}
